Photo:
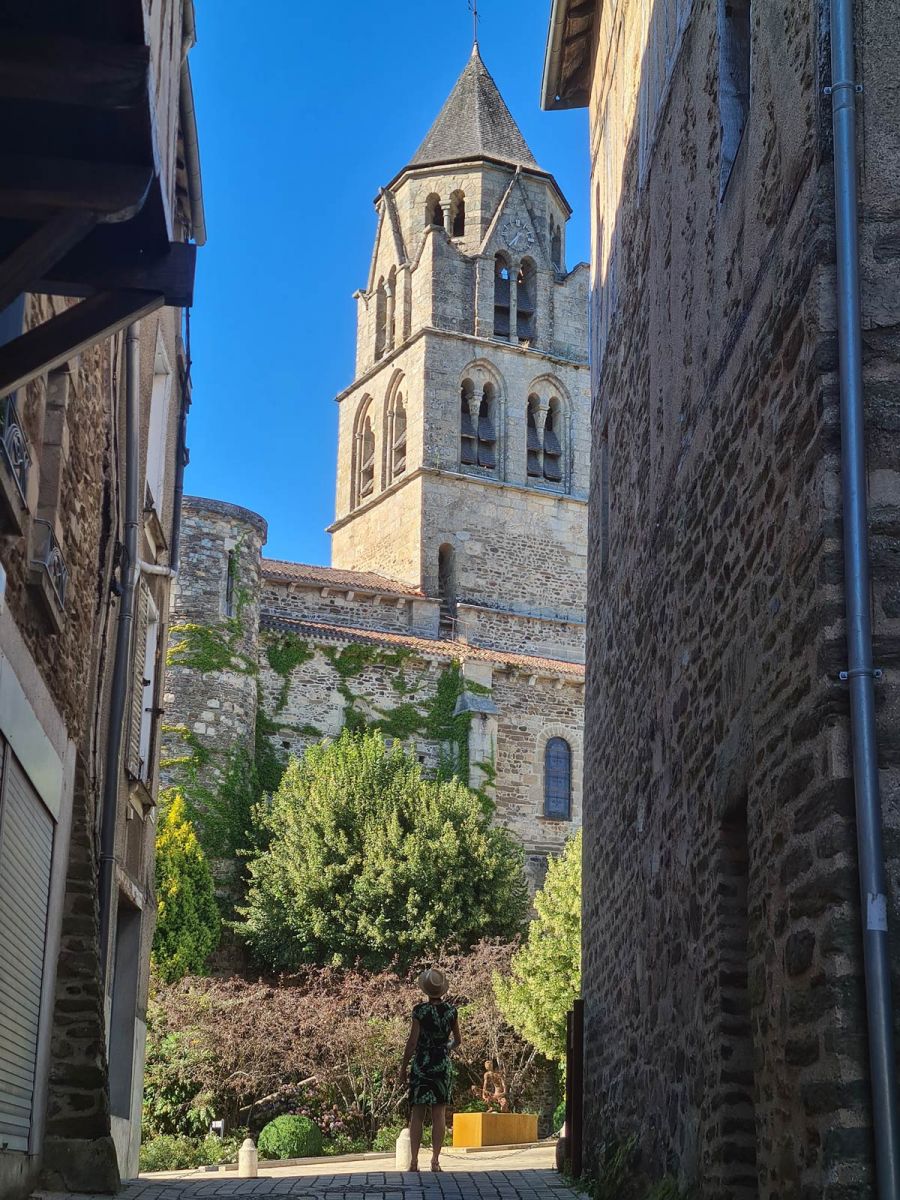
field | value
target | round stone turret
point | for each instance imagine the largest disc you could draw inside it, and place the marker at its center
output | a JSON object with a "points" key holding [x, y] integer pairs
{"points": [[213, 654]]}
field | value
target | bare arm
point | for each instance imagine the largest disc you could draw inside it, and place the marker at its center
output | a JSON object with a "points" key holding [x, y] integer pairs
{"points": [[454, 1029], [411, 1042]]}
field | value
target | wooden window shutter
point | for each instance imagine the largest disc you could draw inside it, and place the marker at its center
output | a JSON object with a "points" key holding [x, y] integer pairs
{"points": [[138, 658]]}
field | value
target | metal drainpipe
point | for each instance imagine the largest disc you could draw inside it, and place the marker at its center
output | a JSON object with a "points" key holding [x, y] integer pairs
{"points": [[130, 573], [857, 589]]}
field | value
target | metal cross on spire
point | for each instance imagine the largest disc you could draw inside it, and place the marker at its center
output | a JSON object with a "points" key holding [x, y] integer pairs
{"points": [[473, 9]]}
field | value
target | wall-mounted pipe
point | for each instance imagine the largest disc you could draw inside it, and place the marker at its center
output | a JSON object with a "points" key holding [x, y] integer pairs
{"points": [[857, 590], [130, 570]]}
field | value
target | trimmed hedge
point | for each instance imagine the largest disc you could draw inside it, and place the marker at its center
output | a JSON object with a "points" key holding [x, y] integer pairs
{"points": [[290, 1137]]}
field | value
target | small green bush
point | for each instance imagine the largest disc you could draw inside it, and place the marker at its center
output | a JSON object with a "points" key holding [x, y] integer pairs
{"points": [[559, 1115], [290, 1137], [169, 1153], [386, 1138]]}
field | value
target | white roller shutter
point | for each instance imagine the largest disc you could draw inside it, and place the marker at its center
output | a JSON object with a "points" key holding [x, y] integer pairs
{"points": [[26, 853]]}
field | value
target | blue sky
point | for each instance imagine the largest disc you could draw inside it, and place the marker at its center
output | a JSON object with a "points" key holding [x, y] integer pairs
{"points": [[304, 111]]}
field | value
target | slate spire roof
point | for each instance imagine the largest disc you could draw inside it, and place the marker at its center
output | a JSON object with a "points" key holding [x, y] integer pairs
{"points": [[474, 123]]}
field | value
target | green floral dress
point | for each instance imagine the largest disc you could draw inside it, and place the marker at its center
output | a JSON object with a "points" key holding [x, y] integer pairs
{"points": [[431, 1073]]}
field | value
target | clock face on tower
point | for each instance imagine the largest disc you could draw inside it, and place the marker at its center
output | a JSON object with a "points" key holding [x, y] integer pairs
{"points": [[517, 235]]}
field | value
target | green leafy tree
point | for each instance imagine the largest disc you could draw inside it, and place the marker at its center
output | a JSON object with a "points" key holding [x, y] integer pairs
{"points": [[366, 860], [545, 974], [187, 926]]}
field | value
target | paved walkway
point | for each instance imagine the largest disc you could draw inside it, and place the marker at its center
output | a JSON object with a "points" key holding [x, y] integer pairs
{"points": [[501, 1175]]}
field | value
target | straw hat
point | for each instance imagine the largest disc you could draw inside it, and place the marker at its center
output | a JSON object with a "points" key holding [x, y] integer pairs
{"points": [[433, 983]]}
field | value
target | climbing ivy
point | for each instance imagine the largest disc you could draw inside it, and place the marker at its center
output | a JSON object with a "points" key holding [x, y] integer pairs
{"points": [[207, 648], [285, 652]]}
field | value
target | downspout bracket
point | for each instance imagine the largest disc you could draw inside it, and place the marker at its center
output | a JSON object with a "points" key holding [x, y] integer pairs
{"points": [[875, 673]]}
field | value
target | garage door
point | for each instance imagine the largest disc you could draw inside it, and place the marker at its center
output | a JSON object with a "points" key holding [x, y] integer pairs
{"points": [[26, 852]]}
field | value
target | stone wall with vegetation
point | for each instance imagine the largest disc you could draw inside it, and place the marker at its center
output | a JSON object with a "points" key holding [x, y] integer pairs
{"points": [[247, 690], [724, 1004]]}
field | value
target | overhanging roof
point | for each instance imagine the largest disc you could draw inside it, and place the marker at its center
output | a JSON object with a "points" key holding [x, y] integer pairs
{"points": [[568, 58], [86, 147]]}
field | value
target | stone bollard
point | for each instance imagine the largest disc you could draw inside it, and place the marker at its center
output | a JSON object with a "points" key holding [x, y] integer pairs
{"points": [[403, 1152], [248, 1160]]}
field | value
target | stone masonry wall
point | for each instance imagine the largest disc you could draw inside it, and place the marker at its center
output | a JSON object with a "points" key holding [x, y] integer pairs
{"points": [[518, 632], [723, 1000], [533, 710], [393, 613], [514, 548], [211, 689]]}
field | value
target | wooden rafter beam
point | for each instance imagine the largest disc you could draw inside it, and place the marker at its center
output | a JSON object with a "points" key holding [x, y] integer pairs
{"points": [[92, 269], [63, 337], [67, 70], [32, 187], [41, 251]]}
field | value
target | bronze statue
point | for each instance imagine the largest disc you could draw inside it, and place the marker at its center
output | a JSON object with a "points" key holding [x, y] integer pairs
{"points": [[493, 1088]]}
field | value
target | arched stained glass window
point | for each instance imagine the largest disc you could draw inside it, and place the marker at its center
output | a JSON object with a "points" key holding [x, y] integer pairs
{"points": [[558, 779]]}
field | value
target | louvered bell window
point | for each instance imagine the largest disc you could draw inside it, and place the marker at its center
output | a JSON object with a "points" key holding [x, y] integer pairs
{"points": [[552, 452], [367, 466], [558, 779], [533, 448], [468, 452], [487, 438], [399, 446]]}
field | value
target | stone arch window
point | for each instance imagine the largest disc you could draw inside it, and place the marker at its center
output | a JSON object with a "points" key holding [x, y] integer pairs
{"points": [[556, 244], [380, 319], [478, 426], [458, 214], [447, 586], [545, 439], [363, 482], [558, 779], [533, 452], [434, 211], [501, 296], [553, 442], [398, 436], [526, 300]]}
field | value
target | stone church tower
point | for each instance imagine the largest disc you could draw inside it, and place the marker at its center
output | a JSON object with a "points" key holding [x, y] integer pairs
{"points": [[453, 615], [463, 455]]}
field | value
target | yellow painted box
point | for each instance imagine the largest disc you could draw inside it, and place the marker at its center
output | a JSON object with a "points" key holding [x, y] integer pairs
{"points": [[494, 1129]]}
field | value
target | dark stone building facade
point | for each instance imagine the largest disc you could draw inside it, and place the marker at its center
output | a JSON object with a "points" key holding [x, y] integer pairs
{"points": [[99, 202], [724, 1001]]}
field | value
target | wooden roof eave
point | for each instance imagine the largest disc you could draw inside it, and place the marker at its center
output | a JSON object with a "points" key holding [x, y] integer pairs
{"points": [[82, 209]]}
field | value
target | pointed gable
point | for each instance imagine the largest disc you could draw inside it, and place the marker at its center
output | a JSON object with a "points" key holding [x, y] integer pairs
{"points": [[473, 124]]}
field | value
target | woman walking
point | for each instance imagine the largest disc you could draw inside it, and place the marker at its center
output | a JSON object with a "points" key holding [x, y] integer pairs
{"points": [[435, 1030]]}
